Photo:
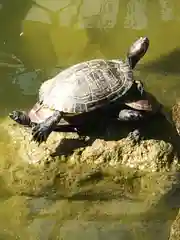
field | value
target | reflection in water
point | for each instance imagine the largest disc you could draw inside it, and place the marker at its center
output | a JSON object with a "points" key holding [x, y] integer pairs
{"points": [[166, 10], [136, 17], [55, 5], [29, 82], [102, 14]]}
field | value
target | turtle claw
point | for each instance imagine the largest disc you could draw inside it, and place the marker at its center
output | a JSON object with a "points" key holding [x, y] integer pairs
{"points": [[134, 136], [40, 133]]}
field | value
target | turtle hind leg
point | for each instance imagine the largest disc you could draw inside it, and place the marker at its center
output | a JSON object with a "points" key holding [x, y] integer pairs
{"points": [[132, 115], [135, 136], [21, 118], [41, 131]]}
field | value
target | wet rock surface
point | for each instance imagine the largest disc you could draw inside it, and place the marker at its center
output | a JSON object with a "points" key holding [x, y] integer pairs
{"points": [[69, 162], [175, 228], [149, 155]]}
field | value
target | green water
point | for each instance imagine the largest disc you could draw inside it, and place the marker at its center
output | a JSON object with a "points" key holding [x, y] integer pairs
{"points": [[51, 35]]}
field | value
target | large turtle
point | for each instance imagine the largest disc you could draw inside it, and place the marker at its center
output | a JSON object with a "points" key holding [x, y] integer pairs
{"points": [[81, 90]]}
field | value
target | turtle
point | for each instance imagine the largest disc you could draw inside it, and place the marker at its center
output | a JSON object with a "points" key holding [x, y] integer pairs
{"points": [[140, 109], [83, 89], [145, 107]]}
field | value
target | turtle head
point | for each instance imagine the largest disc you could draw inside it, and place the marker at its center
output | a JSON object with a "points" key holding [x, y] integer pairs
{"points": [[137, 50]]}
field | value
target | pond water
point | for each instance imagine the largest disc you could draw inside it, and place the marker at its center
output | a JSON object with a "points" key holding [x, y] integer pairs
{"points": [[38, 38]]}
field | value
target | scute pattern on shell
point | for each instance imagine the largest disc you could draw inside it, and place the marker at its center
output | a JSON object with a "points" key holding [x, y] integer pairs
{"points": [[87, 85]]}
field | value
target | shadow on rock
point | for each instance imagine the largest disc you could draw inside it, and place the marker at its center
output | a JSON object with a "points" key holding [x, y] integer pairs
{"points": [[68, 146], [156, 127]]}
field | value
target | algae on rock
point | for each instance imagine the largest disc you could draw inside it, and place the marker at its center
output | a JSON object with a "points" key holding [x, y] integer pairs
{"points": [[149, 155], [65, 161], [175, 228]]}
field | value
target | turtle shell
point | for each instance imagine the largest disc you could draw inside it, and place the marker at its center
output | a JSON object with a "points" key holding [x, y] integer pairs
{"points": [[149, 103], [87, 86]]}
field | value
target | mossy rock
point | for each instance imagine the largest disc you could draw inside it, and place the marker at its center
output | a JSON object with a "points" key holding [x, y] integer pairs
{"points": [[149, 155], [175, 228], [67, 161]]}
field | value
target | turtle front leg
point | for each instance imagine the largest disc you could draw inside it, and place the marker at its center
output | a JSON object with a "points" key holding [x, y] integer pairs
{"points": [[21, 118], [41, 131], [140, 87], [131, 115]]}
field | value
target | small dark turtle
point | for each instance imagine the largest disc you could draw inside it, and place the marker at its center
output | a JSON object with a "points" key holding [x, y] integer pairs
{"points": [[138, 110], [141, 108], [144, 108], [81, 89]]}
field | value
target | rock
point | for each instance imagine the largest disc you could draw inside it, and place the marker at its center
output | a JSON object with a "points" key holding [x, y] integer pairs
{"points": [[176, 116], [69, 166], [150, 155], [175, 229]]}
